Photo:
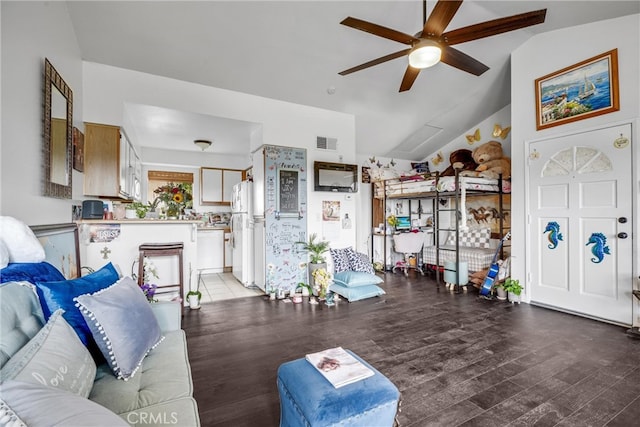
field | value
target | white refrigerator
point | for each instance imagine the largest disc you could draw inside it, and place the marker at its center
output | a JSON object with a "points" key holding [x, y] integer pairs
{"points": [[242, 233]]}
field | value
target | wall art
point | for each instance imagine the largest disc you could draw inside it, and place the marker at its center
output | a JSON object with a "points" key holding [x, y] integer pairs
{"points": [[580, 91]]}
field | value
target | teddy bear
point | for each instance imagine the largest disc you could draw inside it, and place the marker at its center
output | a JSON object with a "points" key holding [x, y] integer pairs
{"points": [[460, 159], [491, 161]]}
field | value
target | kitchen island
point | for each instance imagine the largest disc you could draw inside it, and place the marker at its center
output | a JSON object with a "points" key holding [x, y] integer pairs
{"points": [[117, 241]]}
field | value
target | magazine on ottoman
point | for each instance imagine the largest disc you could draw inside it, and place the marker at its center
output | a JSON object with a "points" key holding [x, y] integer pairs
{"points": [[338, 366]]}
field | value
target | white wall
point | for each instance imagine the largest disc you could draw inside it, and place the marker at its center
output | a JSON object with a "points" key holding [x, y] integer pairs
{"points": [[502, 118], [557, 50], [31, 32], [106, 89]]}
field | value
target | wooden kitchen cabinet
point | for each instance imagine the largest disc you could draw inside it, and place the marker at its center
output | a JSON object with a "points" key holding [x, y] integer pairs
{"points": [[112, 167], [216, 185], [102, 159]]}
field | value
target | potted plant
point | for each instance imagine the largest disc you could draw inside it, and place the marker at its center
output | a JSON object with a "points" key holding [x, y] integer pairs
{"points": [[194, 298], [305, 289], [130, 211], [140, 208], [513, 288], [500, 290], [316, 250]]}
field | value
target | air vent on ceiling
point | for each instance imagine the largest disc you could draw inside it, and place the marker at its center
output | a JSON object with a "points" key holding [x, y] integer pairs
{"points": [[324, 143]]}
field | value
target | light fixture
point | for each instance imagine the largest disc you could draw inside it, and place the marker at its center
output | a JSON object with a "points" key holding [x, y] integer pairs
{"points": [[425, 54], [203, 144]]}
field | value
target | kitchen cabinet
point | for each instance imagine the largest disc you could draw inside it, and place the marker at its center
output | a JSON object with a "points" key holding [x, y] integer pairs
{"points": [[112, 167], [216, 185]]}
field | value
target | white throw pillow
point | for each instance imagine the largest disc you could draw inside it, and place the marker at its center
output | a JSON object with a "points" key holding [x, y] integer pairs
{"points": [[22, 244], [4, 254]]}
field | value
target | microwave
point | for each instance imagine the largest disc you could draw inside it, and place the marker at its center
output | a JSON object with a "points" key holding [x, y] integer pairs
{"points": [[335, 177]]}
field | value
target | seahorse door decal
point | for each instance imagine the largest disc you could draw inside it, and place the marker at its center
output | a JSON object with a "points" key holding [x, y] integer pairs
{"points": [[599, 248], [553, 228]]}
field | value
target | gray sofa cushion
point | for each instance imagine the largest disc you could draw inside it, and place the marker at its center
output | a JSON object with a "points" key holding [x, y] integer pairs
{"points": [[164, 376], [54, 357], [38, 405], [20, 317]]}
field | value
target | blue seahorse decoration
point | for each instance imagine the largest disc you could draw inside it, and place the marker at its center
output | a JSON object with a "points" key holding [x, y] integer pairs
{"points": [[599, 248], [553, 228]]}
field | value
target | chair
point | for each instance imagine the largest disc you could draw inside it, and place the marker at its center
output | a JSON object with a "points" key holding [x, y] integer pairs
{"points": [[163, 249], [410, 245]]}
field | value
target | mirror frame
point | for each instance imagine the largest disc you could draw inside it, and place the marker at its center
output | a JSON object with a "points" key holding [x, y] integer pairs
{"points": [[53, 79]]}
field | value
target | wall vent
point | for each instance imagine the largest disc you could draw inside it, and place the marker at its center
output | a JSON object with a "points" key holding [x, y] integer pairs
{"points": [[324, 143]]}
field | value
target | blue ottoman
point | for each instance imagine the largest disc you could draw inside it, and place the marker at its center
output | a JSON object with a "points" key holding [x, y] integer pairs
{"points": [[309, 399]]}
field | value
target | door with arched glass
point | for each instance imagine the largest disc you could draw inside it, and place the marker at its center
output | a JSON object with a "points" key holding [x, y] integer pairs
{"points": [[580, 223]]}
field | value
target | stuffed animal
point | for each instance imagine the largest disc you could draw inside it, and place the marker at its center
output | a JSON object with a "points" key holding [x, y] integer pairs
{"points": [[460, 159], [491, 161]]}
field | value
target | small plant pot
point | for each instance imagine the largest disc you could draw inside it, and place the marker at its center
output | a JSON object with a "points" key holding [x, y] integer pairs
{"points": [[502, 294], [513, 298], [272, 296], [194, 302], [130, 214]]}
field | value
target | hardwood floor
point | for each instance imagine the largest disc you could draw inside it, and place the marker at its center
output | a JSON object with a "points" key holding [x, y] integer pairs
{"points": [[457, 359]]}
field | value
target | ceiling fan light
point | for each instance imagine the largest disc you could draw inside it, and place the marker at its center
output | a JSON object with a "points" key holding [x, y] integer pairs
{"points": [[203, 144], [425, 54]]}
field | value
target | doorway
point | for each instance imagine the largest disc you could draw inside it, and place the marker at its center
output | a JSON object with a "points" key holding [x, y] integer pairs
{"points": [[580, 223]]}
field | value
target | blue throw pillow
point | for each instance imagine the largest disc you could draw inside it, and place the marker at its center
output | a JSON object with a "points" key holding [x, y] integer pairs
{"points": [[357, 293], [354, 279], [31, 272], [60, 295], [123, 324]]}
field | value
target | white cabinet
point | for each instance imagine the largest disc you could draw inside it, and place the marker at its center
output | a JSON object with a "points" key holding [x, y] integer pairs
{"points": [[211, 250], [216, 185]]}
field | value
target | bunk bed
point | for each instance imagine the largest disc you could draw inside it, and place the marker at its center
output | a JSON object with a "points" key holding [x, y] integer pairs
{"points": [[454, 240]]}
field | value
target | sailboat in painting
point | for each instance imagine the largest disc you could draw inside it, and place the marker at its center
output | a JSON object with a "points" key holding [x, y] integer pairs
{"points": [[587, 89]]}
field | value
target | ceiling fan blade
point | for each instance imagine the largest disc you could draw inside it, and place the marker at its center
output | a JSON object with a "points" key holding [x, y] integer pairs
{"points": [[440, 17], [409, 77], [461, 60], [375, 62], [379, 30], [496, 26]]}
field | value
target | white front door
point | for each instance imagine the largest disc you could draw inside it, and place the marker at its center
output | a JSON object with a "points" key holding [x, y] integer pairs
{"points": [[580, 223]]}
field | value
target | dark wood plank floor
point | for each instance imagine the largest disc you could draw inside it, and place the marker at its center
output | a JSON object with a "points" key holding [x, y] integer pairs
{"points": [[457, 359]]}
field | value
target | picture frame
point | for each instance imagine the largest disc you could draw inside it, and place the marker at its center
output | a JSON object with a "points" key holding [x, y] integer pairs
{"points": [[61, 246], [78, 150], [580, 91]]}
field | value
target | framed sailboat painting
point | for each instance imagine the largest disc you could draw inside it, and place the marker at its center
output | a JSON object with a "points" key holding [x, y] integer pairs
{"points": [[580, 91]]}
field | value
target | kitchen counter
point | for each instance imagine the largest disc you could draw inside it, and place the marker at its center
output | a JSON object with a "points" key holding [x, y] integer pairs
{"points": [[140, 221], [117, 241]]}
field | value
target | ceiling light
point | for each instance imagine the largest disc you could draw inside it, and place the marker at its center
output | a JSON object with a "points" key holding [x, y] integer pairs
{"points": [[425, 54], [203, 144]]}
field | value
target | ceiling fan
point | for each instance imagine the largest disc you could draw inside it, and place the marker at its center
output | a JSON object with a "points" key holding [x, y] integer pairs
{"points": [[432, 45]]}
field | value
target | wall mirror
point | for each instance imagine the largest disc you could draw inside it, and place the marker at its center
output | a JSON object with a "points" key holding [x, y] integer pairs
{"points": [[58, 131]]}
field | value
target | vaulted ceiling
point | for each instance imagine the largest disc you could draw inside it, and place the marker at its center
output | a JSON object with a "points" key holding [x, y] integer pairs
{"points": [[293, 51]]}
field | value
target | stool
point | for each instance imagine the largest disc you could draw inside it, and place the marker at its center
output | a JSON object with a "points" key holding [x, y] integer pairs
{"points": [[149, 250], [450, 275], [308, 399]]}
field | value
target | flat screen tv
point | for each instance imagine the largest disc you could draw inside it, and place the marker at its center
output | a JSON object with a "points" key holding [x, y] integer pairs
{"points": [[404, 223], [337, 177]]}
